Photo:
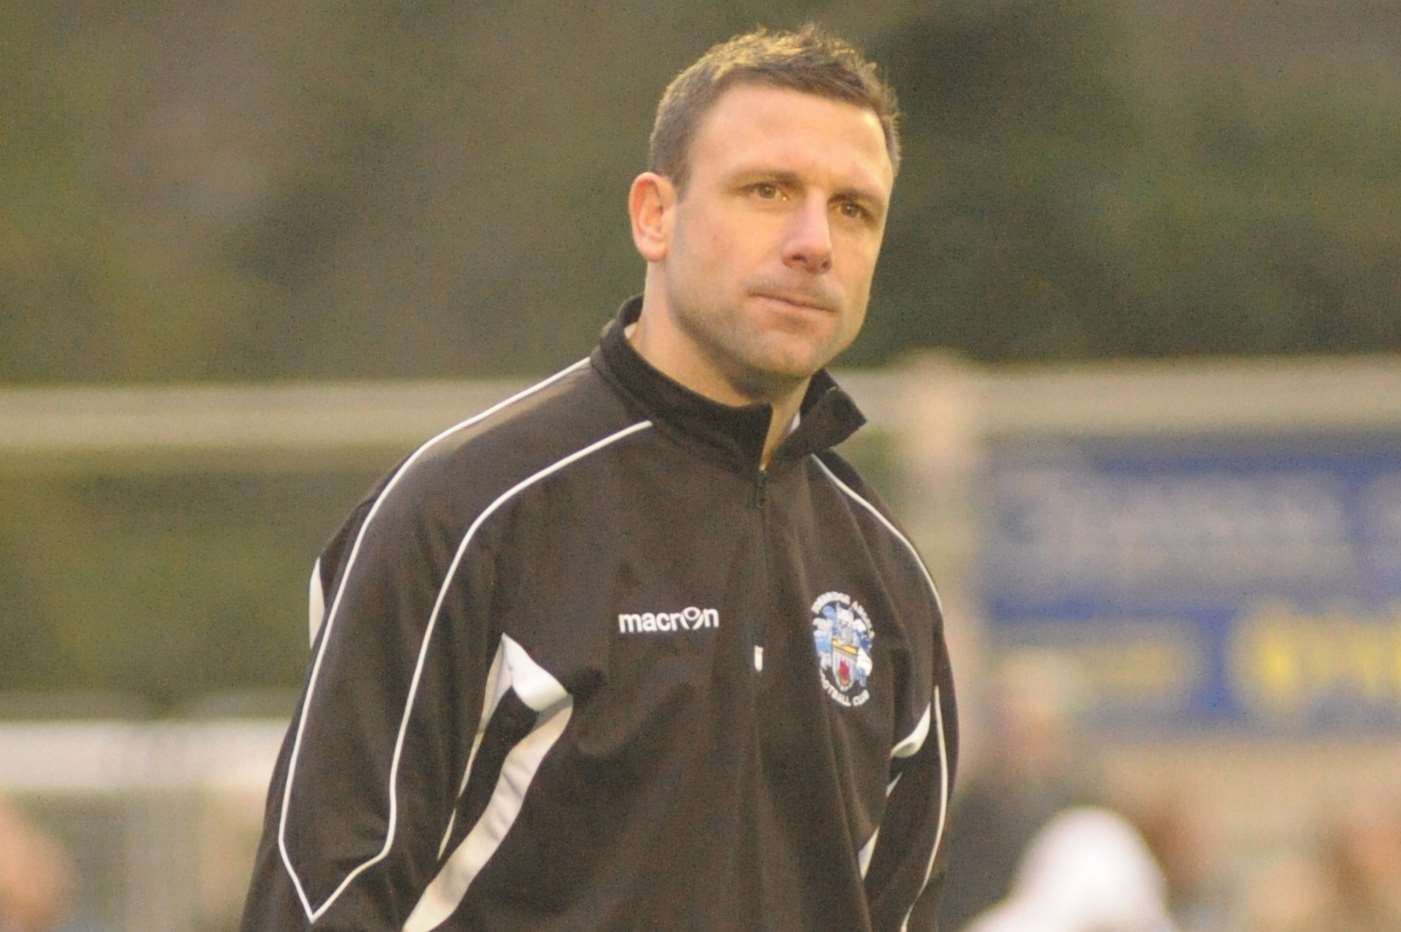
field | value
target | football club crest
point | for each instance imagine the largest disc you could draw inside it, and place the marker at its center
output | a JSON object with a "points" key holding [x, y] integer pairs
{"points": [[842, 634]]}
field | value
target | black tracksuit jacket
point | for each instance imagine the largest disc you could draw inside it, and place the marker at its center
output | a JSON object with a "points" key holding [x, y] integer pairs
{"points": [[578, 663]]}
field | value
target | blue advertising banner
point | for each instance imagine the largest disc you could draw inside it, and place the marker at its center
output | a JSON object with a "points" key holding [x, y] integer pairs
{"points": [[1208, 581]]}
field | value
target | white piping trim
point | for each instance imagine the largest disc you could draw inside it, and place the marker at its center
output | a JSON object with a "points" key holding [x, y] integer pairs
{"points": [[544, 694], [312, 913], [316, 601], [935, 704], [943, 805], [888, 526]]}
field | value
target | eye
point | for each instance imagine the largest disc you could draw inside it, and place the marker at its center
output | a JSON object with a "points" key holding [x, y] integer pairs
{"points": [[853, 211], [766, 190]]}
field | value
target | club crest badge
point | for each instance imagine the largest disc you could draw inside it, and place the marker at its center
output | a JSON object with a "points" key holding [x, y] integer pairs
{"points": [[842, 634]]}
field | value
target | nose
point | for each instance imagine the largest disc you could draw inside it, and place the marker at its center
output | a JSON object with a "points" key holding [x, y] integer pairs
{"points": [[808, 246]]}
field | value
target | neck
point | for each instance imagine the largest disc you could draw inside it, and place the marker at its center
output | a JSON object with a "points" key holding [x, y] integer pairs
{"points": [[780, 424], [666, 350]]}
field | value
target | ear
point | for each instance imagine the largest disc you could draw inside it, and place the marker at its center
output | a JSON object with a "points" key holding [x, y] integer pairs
{"points": [[651, 208]]}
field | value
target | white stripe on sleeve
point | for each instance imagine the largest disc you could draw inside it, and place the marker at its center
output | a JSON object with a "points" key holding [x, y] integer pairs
{"points": [[910, 746], [315, 912], [943, 805], [496, 686], [543, 693], [316, 600]]}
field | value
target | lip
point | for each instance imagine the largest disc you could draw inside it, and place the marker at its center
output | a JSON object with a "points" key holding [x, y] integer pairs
{"points": [[801, 302]]}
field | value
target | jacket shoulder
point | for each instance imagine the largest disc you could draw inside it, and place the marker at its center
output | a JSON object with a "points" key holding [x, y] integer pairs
{"points": [[526, 432], [466, 469], [838, 470], [879, 523]]}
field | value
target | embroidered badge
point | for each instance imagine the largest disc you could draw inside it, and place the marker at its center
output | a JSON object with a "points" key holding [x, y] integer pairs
{"points": [[842, 634]]}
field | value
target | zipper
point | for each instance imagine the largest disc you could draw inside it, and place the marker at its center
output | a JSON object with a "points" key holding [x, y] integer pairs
{"points": [[761, 488], [758, 500]]}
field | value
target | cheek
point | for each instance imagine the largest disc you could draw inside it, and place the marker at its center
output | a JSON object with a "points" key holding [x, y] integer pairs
{"points": [[855, 320], [859, 247], [703, 248], [856, 280], [717, 248], [745, 241]]}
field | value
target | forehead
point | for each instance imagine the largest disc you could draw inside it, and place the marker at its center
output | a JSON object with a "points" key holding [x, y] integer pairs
{"points": [[754, 126]]}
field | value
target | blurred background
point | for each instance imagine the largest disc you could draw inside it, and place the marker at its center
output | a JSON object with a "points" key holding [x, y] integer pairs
{"points": [[1131, 366]]}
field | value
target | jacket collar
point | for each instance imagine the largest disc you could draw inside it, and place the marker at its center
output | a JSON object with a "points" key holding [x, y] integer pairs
{"points": [[733, 435]]}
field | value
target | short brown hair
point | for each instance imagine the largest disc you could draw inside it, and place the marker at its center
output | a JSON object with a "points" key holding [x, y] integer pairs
{"points": [[810, 60]]}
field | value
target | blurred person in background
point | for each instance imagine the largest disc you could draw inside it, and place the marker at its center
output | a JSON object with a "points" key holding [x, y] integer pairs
{"points": [[1086, 870], [1360, 856], [1188, 850], [36, 877], [1034, 767], [1285, 893], [1347, 880], [636, 649]]}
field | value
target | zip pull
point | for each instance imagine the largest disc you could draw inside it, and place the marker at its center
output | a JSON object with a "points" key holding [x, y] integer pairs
{"points": [[761, 488]]}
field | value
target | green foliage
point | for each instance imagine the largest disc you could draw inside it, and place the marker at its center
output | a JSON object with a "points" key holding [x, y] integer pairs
{"points": [[162, 587], [1109, 180], [253, 190]]}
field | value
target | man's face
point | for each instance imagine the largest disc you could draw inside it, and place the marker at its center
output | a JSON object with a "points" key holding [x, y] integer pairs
{"points": [[774, 240]]}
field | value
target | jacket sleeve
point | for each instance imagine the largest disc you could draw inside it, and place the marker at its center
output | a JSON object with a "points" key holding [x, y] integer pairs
{"points": [[907, 865], [369, 771]]}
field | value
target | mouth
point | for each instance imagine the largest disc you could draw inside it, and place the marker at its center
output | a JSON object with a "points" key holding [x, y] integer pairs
{"points": [[800, 302]]}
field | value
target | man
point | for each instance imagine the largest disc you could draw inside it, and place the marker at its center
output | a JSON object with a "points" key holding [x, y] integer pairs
{"points": [[634, 649]]}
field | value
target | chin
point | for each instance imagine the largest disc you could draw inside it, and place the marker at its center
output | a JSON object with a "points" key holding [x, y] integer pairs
{"points": [[792, 367]]}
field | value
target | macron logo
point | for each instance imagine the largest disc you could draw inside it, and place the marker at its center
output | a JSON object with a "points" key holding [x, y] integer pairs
{"points": [[688, 619]]}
